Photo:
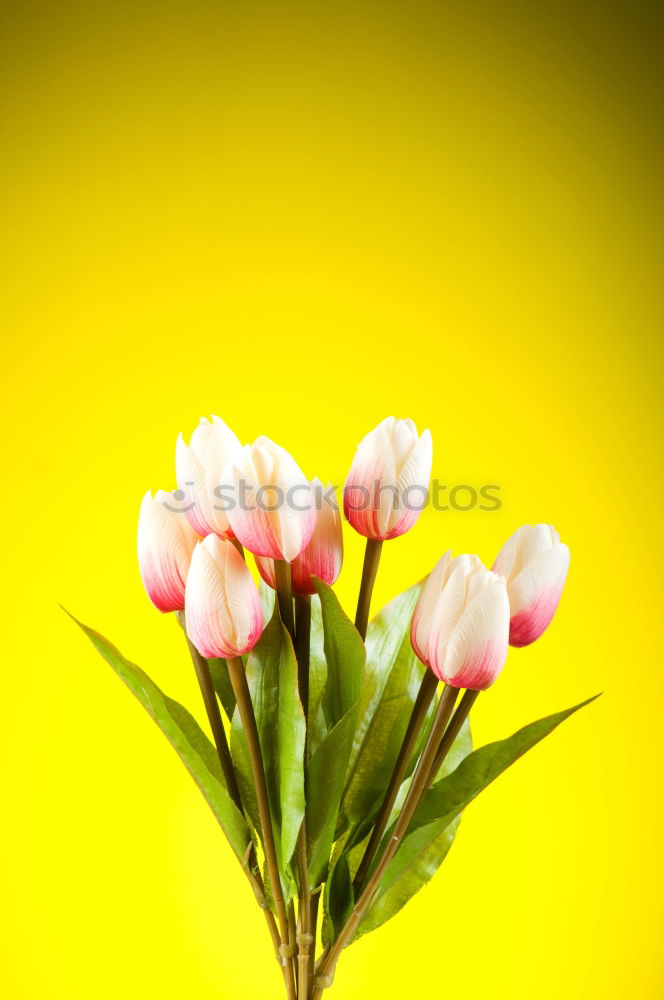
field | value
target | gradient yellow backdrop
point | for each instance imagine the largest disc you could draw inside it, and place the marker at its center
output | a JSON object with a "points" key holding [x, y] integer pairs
{"points": [[305, 218]]}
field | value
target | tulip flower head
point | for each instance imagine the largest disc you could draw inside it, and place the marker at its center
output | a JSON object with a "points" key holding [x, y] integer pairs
{"points": [[460, 626], [222, 608], [166, 541], [272, 512], [534, 563], [199, 466], [389, 479], [322, 555]]}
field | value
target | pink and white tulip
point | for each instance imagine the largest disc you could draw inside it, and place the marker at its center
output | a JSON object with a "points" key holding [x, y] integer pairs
{"points": [[272, 511], [534, 563], [388, 482], [199, 466], [166, 541], [322, 555], [460, 626], [222, 608]]}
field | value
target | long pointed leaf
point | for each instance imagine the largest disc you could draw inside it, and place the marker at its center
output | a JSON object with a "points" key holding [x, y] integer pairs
{"points": [[318, 727], [338, 715], [338, 900], [186, 737], [326, 772], [355, 843], [431, 831], [223, 686], [392, 680], [345, 656], [272, 679]]}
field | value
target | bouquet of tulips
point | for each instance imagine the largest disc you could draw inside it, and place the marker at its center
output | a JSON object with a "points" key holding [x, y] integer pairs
{"points": [[342, 756]]}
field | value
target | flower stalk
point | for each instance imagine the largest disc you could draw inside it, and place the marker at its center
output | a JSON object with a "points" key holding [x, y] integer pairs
{"points": [[417, 788], [248, 719], [302, 650], [208, 693], [369, 570], [456, 722], [305, 932], [415, 724], [284, 589]]}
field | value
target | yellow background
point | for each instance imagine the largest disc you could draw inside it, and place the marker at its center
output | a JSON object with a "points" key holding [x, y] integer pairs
{"points": [[305, 218]]}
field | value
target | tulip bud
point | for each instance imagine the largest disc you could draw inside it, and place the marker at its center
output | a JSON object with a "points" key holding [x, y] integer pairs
{"points": [[534, 563], [388, 481], [272, 511], [321, 556], [460, 625], [166, 541], [199, 466], [222, 608]]}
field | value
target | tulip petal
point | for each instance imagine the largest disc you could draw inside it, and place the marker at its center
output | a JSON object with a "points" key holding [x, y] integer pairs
{"points": [[296, 516], [254, 527], [191, 481], [359, 496], [538, 539], [477, 650], [322, 556], [506, 559], [226, 446], [374, 478], [389, 461], [266, 570], [272, 513], [535, 594], [413, 486], [425, 607], [222, 607], [199, 467], [165, 545], [403, 438], [449, 609]]}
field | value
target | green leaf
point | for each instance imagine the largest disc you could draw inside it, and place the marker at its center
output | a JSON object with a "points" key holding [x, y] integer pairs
{"points": [[392, 681], [344, 654], [317, 677], [432, 829], [420, 857], [272, 679], [356, 841], [222, 685], [338, 900], [326, 772], [186, 737], [267, 596], [339, 701], [218, 668]]}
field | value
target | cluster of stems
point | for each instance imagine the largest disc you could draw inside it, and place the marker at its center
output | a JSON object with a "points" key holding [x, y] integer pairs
{"points": [[294, 935]]}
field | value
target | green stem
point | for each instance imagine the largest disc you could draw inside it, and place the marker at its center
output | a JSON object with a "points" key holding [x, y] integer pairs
{"points": [[284, 589], [206, 685], [292, 933], [315, 903], [417, 788], [369, 570], [250, 865], [453, 730], [248, 719], [302, 648], [305, 938], [417, 719]]}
